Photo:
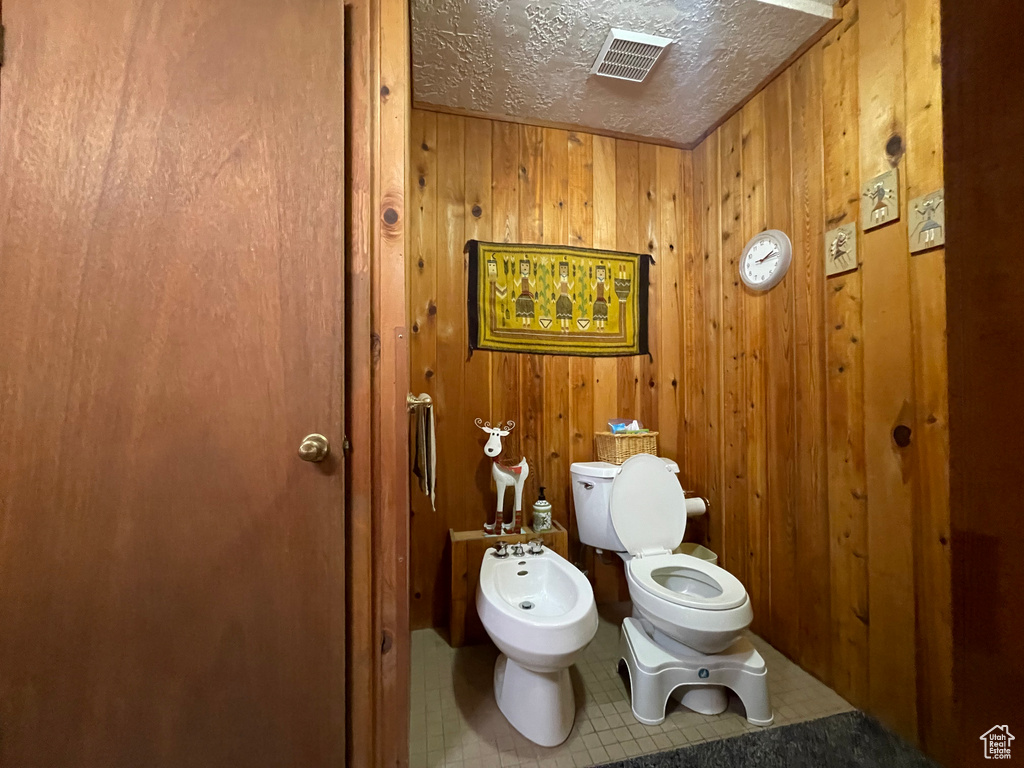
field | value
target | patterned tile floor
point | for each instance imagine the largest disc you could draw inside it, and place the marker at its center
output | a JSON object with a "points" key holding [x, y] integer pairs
{"points": [[455, 723]]}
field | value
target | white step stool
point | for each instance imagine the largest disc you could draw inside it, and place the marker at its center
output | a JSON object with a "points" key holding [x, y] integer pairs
{"points": [[654, 673]]}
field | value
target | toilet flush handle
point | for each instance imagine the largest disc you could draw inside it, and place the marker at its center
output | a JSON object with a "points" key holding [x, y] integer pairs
{"points": [[585, 484]]}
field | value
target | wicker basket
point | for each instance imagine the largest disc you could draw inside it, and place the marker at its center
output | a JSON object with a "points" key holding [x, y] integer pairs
{"points": [[618, 448]]}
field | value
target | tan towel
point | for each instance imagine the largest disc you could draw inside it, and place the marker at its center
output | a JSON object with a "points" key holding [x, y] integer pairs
{"points": [[425, 464]]}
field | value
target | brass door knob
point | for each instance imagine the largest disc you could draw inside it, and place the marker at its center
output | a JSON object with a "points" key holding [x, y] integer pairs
{"points": [[314, 448]]}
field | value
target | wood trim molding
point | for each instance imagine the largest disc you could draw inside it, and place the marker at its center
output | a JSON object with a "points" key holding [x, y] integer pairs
{"points": [[811, 42], [459, 112], [391, 379], [377, 366], [361, 687]]}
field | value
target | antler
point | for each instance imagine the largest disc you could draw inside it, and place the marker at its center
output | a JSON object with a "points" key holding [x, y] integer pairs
{"points": [[510, 426], [482, 424]]}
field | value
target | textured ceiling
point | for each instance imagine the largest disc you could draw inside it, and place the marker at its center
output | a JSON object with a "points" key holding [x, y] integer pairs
{"points": [[532, 60]]}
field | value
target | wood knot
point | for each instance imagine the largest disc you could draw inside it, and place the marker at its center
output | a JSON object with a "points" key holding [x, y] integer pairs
{"points": [[901, 435], [477, 211], [894, 148], [390, 217], [385, 91], [375, 348]]}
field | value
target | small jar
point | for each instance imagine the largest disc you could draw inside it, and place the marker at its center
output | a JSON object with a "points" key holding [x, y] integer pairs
{"points": [[541, 514]]}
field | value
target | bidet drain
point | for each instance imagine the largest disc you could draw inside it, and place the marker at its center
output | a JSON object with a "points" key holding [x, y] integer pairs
{"points": [[526, 605]]}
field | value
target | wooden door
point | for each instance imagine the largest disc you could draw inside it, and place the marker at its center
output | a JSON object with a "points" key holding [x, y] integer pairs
{"points": [[171, 265]]}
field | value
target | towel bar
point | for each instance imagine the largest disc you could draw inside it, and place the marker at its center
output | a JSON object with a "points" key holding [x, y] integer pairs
{"points": [[412, 402]]}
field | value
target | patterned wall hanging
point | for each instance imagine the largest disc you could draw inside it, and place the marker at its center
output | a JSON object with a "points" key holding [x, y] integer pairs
{"points": [[557, 300]]}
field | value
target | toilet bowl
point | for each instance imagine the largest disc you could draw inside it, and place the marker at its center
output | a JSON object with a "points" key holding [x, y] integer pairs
{"points": [[690, 601], [689, 614], [539, 610], [637, 510]]}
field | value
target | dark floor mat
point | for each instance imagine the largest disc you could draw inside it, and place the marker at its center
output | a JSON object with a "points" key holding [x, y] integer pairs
{"points": [[849, 740]]}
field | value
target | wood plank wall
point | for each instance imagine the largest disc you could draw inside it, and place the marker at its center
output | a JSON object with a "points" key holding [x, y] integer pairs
{"points": [[490, 180], [780, 407], [840, 536]]}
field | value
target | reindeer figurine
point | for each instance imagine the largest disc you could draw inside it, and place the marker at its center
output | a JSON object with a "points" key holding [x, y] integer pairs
{"points": [[504, 474]]}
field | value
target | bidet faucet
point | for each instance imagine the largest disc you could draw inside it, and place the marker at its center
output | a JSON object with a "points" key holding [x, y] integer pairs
{"points": [[537, 547], [501, 549], [517, 550]]}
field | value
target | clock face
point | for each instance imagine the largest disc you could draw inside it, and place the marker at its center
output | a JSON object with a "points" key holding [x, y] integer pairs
{"points": [[765, 260]]}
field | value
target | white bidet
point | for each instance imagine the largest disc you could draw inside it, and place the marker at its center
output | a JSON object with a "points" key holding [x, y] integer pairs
{"points": [[539, 610]]}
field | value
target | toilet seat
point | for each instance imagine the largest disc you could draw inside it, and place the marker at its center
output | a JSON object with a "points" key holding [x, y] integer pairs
{"points": [[647, 506], [688, 581], [648, 512]]}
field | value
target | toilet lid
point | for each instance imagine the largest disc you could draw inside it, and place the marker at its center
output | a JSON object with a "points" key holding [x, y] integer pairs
{"points": [[647, 505]]}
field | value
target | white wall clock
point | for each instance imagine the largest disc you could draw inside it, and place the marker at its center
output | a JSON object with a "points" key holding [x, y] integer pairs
{"points": [[766, 259]]}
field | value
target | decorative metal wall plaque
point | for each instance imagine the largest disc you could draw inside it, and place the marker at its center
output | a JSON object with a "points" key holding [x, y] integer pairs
{"points": [[927, 216], [881, 203], [841, 249]]}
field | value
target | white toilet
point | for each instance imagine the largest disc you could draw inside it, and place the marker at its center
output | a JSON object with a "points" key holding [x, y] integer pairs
{"points": [[689, 614], [539, 610]]}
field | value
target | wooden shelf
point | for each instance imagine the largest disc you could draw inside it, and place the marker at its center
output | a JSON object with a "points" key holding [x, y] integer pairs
{"points": [[495, 538]]}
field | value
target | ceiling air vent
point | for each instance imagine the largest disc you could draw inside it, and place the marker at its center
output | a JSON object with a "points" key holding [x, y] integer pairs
{"points": [[629, 55]]}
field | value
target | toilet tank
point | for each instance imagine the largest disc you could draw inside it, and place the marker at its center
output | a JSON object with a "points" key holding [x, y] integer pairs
{"points": [[591, 492]]}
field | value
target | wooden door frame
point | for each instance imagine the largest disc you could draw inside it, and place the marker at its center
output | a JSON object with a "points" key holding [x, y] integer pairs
{"points": [[379, 104], [983, 130]]}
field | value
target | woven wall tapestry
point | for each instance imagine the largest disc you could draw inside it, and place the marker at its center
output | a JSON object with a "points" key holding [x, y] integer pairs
{"points": [[557, 300]]}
